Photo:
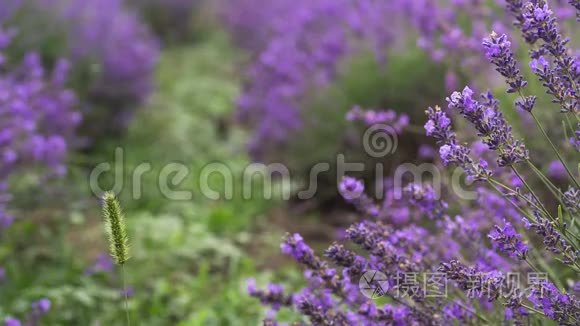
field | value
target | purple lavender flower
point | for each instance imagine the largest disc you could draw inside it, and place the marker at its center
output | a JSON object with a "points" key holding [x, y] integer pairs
{"points": [[373, 117], [41, 306], [38, 122], [540, 24], [426, 199], [498, 51], [9, 321], [340, 256], [295, 247], [273, 296], [563, 308], [352, 190], [490, 124], [488, 284], [553, 82], [103, 263], [426, 152], [575, 140], [302, 53], [553, 239], [576, 4], [455, 312], [507, 240], [439, 127], [451, 81], [110, 49], [571, 200], [556, 170]]}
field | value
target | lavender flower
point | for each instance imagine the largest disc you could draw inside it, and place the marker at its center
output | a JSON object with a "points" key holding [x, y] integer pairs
{"points": [[292, 58], [553, 239], [373, 117], [426, 199], [352, 190], [439, 127], [571, 200], [575, 140], [401, 247], [274, 295], [112, 57], [295, 247], [553, 83], [103, 264], [540, 24], [426, 152], [556, 170], [576, 4], [498, 51], [455, 312], [485, 284], [39, 309], [41, 306], [563, 308], [9, 321], [38, 121], [490, 124], [507, 240]]}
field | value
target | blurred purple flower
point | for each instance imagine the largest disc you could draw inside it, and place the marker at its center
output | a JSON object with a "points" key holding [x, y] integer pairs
{"points": [[103, 263], [9, 321], [556, 170]]}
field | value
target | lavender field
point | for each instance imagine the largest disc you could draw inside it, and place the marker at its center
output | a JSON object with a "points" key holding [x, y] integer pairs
{"points": [[289, 162]]}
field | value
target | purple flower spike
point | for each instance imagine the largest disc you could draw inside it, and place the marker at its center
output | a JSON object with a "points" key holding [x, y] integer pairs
{"points": [[352, 190], [498, 51], [12, 322], [41, 306], [509, 241]]}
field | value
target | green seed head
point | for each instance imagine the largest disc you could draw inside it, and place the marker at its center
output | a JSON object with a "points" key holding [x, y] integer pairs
{"points": [[116, 229]]}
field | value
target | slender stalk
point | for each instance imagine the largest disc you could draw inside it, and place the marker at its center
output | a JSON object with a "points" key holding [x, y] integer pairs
{"points": [[554, 149], [538, 257], [530, 308], [493, 182], [553, 189], [552, 278], [126, 295], [512, 191], [530, 189]]}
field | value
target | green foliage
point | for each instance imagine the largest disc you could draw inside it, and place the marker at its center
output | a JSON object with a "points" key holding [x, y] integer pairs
{"points": [[189, 259], [371, 84]]}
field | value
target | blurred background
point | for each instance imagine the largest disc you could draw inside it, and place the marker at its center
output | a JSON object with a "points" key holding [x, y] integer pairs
{"points": [[198, 82]]}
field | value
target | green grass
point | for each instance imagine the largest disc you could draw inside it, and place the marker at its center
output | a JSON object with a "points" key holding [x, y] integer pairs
{"points": [[190, 259]]}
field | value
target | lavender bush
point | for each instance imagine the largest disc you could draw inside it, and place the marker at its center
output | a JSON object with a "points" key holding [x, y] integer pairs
{"points": [[296, 46], [445, 260], [38, 119], [112, 53]]}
